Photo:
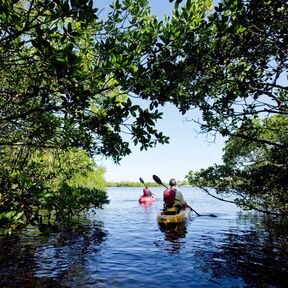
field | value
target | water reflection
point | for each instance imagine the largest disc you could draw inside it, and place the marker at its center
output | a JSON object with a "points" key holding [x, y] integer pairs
{"points": [[174, 233], [255, 255], [41, 261], [232, 250]]}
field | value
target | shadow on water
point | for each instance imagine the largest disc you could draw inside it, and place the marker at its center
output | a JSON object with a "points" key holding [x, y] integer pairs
{"points": [[34, 260], [256, 255]]}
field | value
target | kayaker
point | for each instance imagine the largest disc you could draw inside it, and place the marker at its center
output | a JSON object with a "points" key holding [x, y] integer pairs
{"points": [[173, 199], [147, 192]]}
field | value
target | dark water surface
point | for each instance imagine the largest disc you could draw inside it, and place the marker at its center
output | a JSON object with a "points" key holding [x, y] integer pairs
{"points": [[123, 246]]}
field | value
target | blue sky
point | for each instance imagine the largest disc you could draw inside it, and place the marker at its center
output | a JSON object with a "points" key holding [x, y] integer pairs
{"points": [[186, 151]]}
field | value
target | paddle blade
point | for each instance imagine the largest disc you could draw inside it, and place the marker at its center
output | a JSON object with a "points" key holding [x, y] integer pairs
{"points": [[141, 180], [157, 179]]}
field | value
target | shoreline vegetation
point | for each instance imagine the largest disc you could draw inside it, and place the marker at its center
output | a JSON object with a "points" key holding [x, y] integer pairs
{"points": [[139, 184]]}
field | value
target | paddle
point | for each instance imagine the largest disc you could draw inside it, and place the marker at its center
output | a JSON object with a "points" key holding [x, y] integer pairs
{"points": [[142, 181], [158, 180]]}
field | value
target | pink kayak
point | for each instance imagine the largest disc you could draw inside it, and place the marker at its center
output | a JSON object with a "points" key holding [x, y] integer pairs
{"points": [[146, 199]]}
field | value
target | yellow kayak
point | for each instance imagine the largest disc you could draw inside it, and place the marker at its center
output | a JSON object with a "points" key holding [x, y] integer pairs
{"points": [[176, 218]]}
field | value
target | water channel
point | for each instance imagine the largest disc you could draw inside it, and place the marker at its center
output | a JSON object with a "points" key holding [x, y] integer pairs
{"points": [[122, 245]]}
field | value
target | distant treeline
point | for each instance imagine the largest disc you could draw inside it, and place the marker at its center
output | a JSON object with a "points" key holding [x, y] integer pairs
{"points": [[139, 184]]}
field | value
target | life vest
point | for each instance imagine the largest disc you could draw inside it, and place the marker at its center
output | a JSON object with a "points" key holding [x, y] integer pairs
{"points": [[146, 192], [169, 197]]}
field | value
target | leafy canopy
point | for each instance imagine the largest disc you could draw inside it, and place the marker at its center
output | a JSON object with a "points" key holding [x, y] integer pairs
{"points": [[63, 68], [255, 172], [69, 75], [47, 188], [64, 71], [230, 62]]}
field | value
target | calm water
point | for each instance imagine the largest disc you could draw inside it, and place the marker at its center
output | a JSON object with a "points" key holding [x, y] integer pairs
{"points": [[123, 246]]}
